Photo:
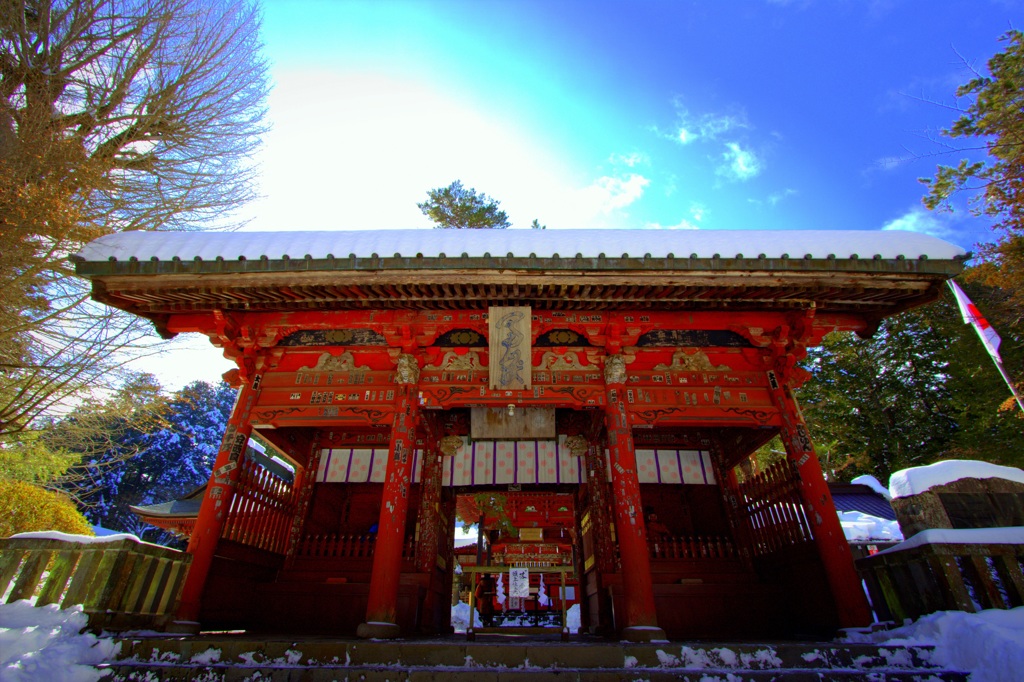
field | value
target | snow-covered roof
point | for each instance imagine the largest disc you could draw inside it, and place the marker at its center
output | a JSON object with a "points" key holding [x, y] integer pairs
{"points": [[917, 480], [429, 243]]}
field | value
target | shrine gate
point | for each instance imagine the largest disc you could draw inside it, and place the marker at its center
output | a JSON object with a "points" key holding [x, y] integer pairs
{"points": [[621, 375]]}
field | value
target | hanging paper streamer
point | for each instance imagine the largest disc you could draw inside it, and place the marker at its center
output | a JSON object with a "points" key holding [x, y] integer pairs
{"points": [[501, 589], [519, 582], [542, 594]]}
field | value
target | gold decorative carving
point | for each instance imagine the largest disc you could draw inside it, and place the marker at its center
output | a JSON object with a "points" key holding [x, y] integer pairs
{"points": [[615, 369], [553, 361], [408, 371], [450, 445], [692, 362], [329, 363], [577, 445], [452, 361]]}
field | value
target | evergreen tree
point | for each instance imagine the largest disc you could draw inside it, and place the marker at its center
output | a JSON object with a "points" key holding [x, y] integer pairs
{"points": [[923, 389], [455, 207], [164, 449], [994, 122]]}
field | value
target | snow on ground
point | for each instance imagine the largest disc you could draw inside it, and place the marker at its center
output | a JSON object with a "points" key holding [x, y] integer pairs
{"points": [[861, 527], [45, 643], [872, 482], [989, 644], [460, 618], [916, 480]]}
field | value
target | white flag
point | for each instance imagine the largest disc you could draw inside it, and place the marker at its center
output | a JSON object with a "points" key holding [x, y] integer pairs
{"points": [[988, 335]]}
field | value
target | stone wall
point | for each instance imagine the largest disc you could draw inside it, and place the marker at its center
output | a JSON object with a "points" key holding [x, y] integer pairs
{"points": [[965, 503]]}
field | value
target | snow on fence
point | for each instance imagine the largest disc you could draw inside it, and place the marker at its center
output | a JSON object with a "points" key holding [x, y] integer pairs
{"points": [[946, 570], [122, 583]]}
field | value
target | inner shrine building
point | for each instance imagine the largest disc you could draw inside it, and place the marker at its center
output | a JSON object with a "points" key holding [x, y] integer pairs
{"points": [[605, 385]]}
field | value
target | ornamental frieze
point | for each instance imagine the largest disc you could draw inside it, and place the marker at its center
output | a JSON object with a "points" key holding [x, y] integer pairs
{"points": [[693, 338], [461, 338], [452, 361], [330, 363], [334, 337], [691, 362]]}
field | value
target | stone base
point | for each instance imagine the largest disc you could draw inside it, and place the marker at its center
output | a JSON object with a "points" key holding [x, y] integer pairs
{"points": [[643, 634], [378, 631]]}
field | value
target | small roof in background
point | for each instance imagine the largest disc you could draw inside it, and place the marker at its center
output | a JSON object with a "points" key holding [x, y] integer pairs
{"points": [[849, 497]]}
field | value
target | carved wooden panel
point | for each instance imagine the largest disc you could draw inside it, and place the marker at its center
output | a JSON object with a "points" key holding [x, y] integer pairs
{"points": [[536, 423], [510, 350]]}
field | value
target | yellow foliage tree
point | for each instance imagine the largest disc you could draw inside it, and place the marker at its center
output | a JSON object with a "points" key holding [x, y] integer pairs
{"points": [[25, 508]]}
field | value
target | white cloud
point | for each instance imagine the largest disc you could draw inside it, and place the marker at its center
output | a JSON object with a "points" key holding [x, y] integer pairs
{"points": [[632, 159], [609, 193], [775, 198], [698, 211], [683, 224], [704, 127], [888, 163], [920, 220], [739, 163]]}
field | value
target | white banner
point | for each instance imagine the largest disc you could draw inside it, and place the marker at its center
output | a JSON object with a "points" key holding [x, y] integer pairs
{"points": [[519, 582]]}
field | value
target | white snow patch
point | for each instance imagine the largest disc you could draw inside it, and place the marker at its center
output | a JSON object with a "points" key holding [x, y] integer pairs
{"points": [[874, 484], [1007, 535], [761, 659], [858, 526], [667, 660], [460, 617], [630, 662], [917, 480], [71, 537], [208, 657], [47, 643], [989, 644]]}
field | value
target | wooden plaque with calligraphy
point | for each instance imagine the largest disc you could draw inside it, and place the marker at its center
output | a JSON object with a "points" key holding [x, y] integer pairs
{"points": [[509, 331]]}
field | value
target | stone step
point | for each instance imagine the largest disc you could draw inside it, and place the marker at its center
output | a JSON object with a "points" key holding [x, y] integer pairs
{"points": [[153, 673], [213, 659]]}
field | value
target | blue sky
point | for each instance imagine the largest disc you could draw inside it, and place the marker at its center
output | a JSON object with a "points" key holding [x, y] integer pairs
{"points": [[709, 115], [641, 114]]}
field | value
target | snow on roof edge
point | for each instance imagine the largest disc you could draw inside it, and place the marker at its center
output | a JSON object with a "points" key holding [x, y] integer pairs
{"points": [[588, 243]]}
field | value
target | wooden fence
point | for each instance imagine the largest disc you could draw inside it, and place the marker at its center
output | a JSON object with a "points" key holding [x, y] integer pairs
{"points": [[262, 509], [331, 546], [773, 509], [941, 576], [691, 547], [122, 584]]}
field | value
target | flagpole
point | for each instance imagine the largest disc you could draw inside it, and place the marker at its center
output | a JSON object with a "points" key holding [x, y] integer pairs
{"points": [[989, 338], [1009, 384]]}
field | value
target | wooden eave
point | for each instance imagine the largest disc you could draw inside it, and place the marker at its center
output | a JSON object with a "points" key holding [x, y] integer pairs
{"points": [[874, 287]]}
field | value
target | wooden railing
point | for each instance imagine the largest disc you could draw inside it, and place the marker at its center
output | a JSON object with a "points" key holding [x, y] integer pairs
{"points": [[773, 509], [122, 584], [331, 546], [262, 510], [942, 576], [691, 547]]}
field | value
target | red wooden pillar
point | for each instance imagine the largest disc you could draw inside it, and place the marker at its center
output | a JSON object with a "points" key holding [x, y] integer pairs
{"points": [[217, 501], [833, 548], [382, 605], [641, 615]]}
